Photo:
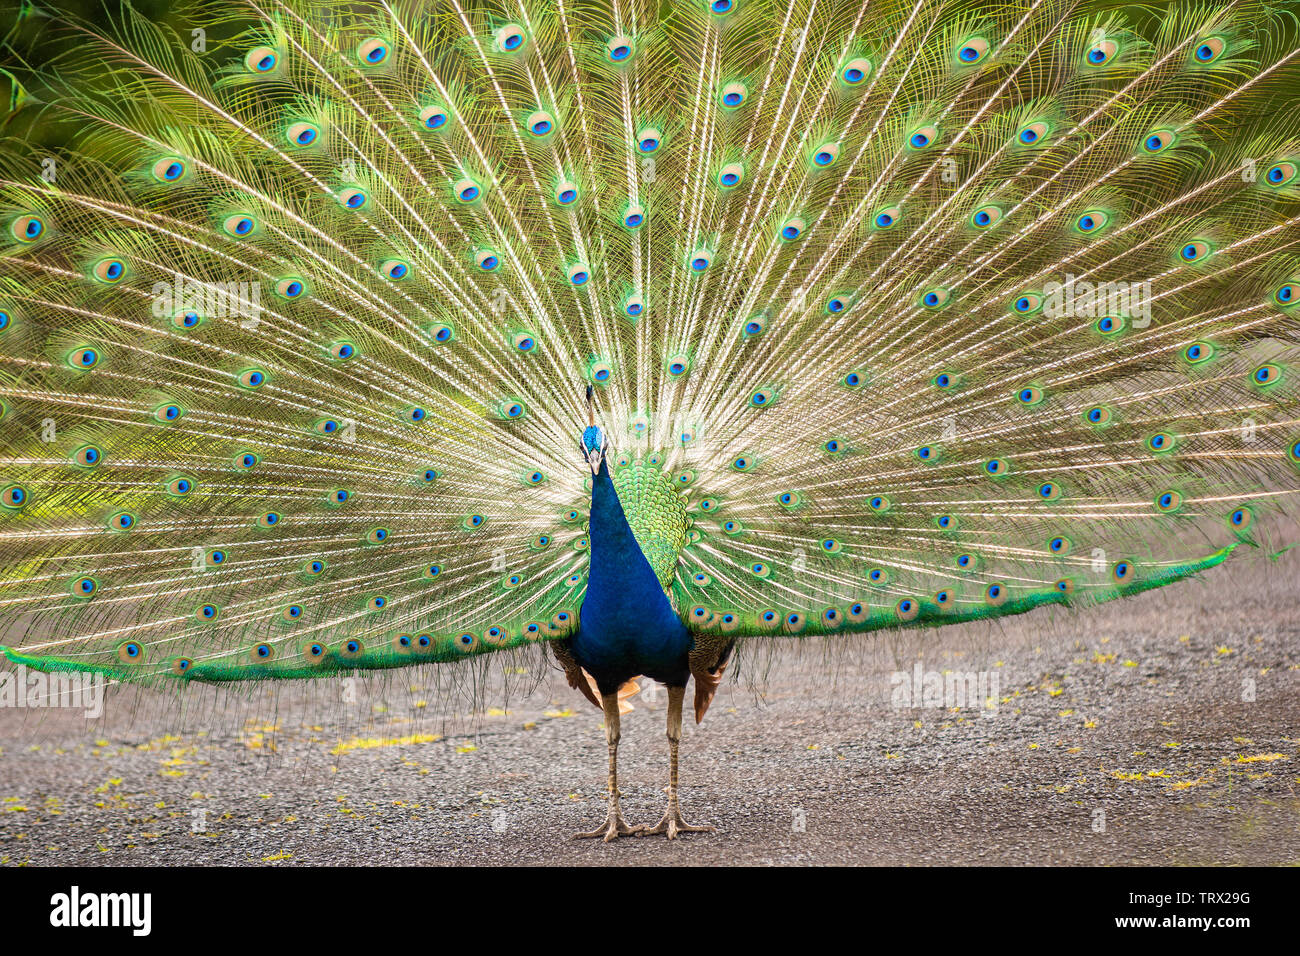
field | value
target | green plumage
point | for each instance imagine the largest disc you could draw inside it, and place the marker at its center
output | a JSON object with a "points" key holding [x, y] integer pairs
{"points": [[895, 314]]}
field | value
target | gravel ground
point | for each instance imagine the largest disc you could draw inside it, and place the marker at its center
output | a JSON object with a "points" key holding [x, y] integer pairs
{"points": [[1120, 736]]}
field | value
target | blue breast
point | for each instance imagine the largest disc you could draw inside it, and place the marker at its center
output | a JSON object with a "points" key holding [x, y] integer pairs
{"points": [[628, 626]]}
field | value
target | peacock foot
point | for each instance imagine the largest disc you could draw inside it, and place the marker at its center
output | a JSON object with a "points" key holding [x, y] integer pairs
{"points": [[673, 824], [615, 827]]}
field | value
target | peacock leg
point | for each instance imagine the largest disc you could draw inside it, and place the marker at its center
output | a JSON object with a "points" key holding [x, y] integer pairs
{"points": [[672, 822], [615, 826]]}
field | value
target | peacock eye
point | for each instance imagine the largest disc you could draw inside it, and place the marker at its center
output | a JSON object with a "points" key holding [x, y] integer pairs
{"points": [[353, 198], [985, 216], [825, 155], [1282, 174], [290, 287], [923, 137], [648, 139], [169, 169], [1158, 140], [935, 298], [886, 218], [566, 193], [395, 269], [372, 52], [1092, 221], [1102, 53], [1033, 134], [466, 190], [27, 228], [510, 38], [971, 50], [633, 216], [1194, 251], [433, 117], [620, 48], [578, 273], [109, 271], [730, 176], [302, 133], [1208, 50], [733, 95], [262, 59], [239, 225], [855, 71]]}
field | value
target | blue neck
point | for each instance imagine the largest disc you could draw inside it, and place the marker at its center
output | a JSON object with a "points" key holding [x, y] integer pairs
{"points": [[627, 626]]}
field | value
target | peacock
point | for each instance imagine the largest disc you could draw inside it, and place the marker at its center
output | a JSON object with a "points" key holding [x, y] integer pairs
{"points": [[338, 337]]}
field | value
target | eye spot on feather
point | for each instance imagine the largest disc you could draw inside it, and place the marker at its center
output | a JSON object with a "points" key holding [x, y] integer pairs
{"points": [[633, 306], [793, 623], [434, 116], [1059, 545], [27, 228], [292, 613], [578, 273], [373, 51], [314, 651], [130, 652], [510, 38], [353, 198], [1194, 251], [122, 521], [169, 169], [878, 503], [946, 522], [1267, 374], [995, 595], [314, 568], [109, 271], [1065, 586], [855, 71], [566, 194], [261, 60], [290, 287], [733, 96], [1092, 222], [180, 486], [466, 190], [760, 569], [922, 138], [935, 298], [1110, 324], [648, 139], [207, 612], [83, 358], [1208, 50], [1283, 174], [431, 571], [700, 260], [731, 175], [1029, 395], [351, 649], [1049, 491], [825, 155], [239, 226], [986, 216], [620, 49], [252, 378], [1033, 134], [1122, 572], [1102, 53], [1198, 352], [1161, 442], [1097, 415], [633, 216], [886, 218], [995, 467], [268, 519], [721, 7], [377, 535], [88, 456], [181, 666], [302, 133], [906, 609], [1168, 501], [262, 653], [1158, 140], [1241, 518], [878, 576]]}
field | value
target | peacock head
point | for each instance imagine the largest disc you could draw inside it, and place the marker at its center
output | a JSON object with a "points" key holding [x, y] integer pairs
{"points": [[593, 447]]}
